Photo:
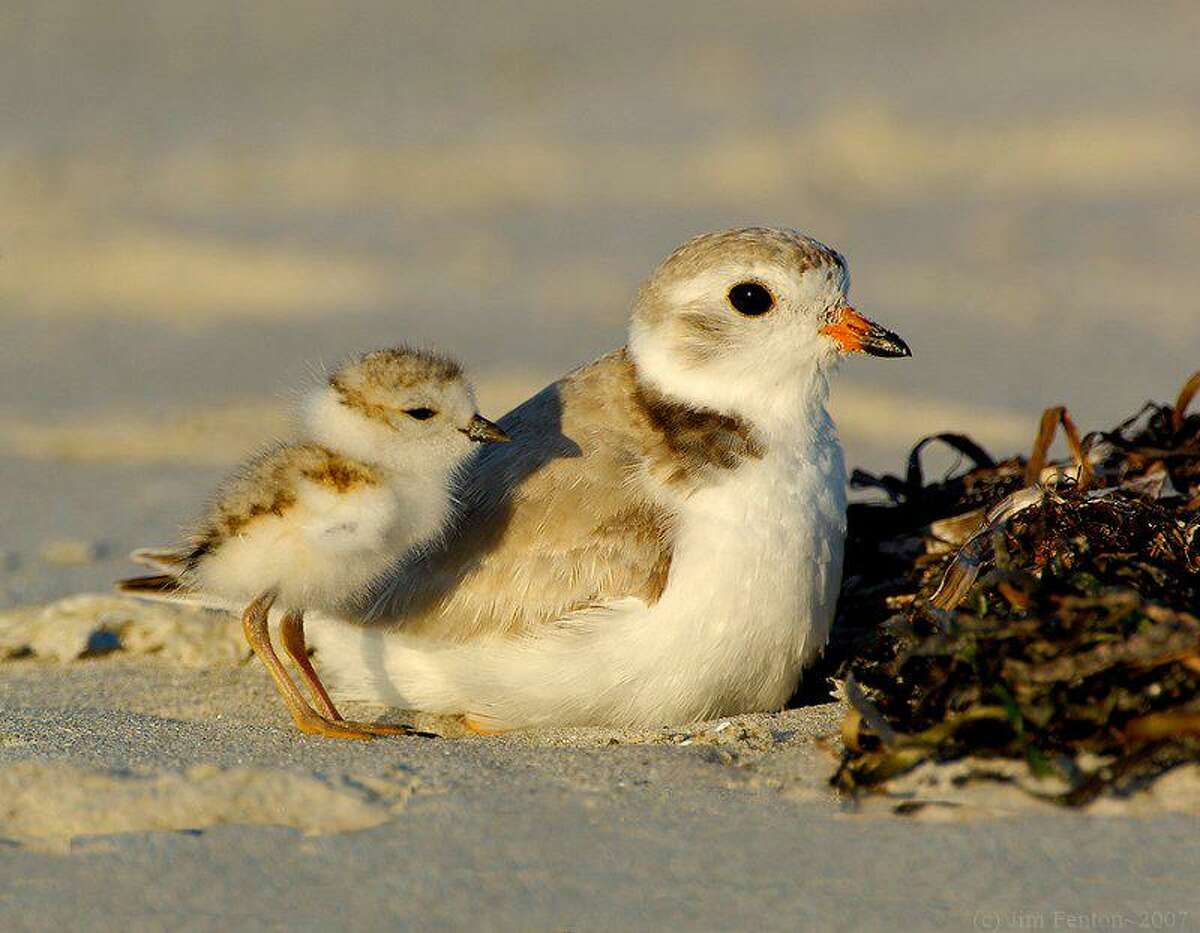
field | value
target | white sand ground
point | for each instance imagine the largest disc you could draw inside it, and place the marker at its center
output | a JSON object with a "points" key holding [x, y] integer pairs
{"points": [[161, 786]]}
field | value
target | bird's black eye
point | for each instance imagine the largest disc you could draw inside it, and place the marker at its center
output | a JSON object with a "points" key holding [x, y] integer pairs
{"points": [[421, 414], [751, 299]]}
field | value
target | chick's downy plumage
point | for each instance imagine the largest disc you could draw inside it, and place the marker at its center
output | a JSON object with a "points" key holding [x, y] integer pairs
{"points": [[309, 524], [317, 519]]}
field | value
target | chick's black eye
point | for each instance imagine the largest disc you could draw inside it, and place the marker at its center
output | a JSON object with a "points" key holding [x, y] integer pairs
{"points": [[421, 414], [751, 299]]}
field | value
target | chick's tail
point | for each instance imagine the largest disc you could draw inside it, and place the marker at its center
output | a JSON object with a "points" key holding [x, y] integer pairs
{"points": [[165, 559], [160, 587], [171, 586], [165, 586]]}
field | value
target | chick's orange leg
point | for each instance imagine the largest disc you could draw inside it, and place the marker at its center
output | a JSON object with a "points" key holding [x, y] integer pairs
{"points": [[307, 720], [291, 630]]}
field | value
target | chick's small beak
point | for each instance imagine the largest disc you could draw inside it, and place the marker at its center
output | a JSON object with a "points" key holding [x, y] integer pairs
{"points": [[484, 431], [854, 333]]}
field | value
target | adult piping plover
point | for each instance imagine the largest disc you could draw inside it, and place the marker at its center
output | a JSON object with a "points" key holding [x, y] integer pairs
{"points": [[310, 524], [662, 542]]}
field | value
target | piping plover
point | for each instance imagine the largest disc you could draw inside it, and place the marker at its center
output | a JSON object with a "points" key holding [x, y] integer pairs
{"points": [[662, 542], [310, 524]]}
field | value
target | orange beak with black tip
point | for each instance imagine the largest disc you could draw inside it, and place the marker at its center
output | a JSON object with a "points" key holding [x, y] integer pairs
{"points": [[854, 333]]}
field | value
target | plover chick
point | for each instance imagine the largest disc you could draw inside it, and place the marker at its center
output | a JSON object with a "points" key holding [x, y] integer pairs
{"points": [[310, 524]]}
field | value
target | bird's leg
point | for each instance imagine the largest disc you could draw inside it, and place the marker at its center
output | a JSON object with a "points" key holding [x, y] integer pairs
{"points": [[479, 725], [292, 632], [307, 720]]}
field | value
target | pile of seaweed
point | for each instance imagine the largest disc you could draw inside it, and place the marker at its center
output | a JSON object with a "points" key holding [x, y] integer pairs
{"points": [[1030, 610]]}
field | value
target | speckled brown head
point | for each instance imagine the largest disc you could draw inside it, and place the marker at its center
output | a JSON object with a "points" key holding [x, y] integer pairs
{"points": [[378, 382], [399, 406]]}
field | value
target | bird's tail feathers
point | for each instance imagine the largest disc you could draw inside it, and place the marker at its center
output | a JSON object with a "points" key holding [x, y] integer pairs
{"points": [[167, 560], [169, 588], [159, 587]]}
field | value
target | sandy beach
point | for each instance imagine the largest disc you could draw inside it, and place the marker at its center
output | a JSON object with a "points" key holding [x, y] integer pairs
{"points": [[151, 793], [205, 205]]}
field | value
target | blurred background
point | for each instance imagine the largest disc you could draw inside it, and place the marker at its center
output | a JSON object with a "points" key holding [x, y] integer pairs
{"points": [[201, 202]]}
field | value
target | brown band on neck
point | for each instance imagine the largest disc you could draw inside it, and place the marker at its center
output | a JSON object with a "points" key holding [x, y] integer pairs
{"points": [[693, 444]]}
